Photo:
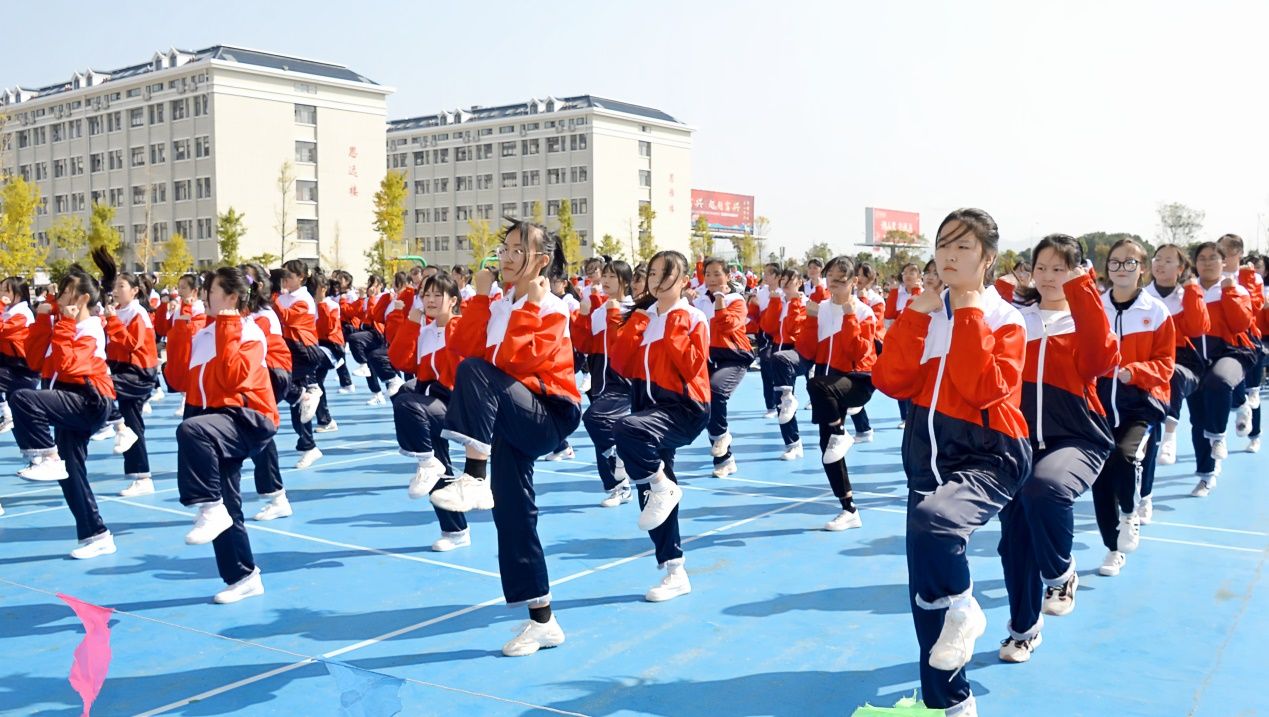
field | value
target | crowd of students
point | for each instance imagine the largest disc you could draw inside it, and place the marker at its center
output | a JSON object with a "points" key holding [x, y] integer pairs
{"points": [[1019, 389]]}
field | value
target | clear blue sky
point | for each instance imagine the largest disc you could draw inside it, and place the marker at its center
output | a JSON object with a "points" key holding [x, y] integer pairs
{"points": [[1071, 116]]}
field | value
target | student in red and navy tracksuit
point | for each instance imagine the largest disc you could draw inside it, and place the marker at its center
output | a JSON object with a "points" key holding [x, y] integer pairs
{"points": [[297, 310], [267, 471], [15, 326], [782, 322], [134, 364], [369, 346], [593, 333], [1175, 285], [1246, 398], [562, 288], [839, 337], [188, 316], [958, 356], [232, 416], [866, 291], [816, 286], [1069, 345], [758, 305], [1136, 394], [367, 332], [896, 301], [515, 398], [75, 405], [342, 291], [330, 341], [421, 347], [664, 349], [1256, 377], [1227, 353], [730, 356]]}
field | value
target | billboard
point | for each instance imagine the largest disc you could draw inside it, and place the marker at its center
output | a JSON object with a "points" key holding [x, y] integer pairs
{"points": [[724, 212], [879, 221]]}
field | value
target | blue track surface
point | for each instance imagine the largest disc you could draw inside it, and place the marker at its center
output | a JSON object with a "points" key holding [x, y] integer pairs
{"points": [[785, 619]]}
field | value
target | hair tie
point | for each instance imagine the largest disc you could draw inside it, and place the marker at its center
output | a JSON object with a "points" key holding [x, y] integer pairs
{"points": [[250, 280]]}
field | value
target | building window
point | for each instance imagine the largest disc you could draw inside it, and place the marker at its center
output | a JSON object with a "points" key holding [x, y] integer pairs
{"points": [[136, 117], [555, 176], [185, 227], [507, 129], [460, 242], [532, 178], [114, 121], [158, 193], [645, 178], [442, 214], [508, 209], [484, 181], [182, 191], [484, 211], [484, 151], [462, 214], [645, 148], [114, 159], [440, 156], [442, 184], [97, 162], [306, 152], [306, 191], [180, 110], [526, 209], [508, 149], [57, 132], [576, 141], [59, 168], [202, 147], [509, 180], [77, 165], [553, 207], [138, 156], [554, 144], [41, 171], [156, 114], [306, 229], [180, 150], [444, 243], [60, 204], [578, 174], [205, 230], [464, 184], [422, 186], [421, 215], [74, 129], [201, 106], [158, 232], [530, 146], [116, 197], [158, 153], [579, 206], [138, 195], [581, 237], [462, 154], [138, 232], [305, 114], [95, 125], [420, 158], [203, 188], [530, 127]]}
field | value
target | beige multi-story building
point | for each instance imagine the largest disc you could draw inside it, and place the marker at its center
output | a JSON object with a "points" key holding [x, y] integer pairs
{"points": [[604, 157], [173, 142]]}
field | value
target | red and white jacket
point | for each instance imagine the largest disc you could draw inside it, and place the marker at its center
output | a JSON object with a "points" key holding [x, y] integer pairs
{"points": [[666, 357], [131, 340], [189, 321], [1188, 310], [297, 310], [783, 319], [1147, 349], [424, 350], [528, 341], [329, 326], [77, 355], [1229, 309], [962, 370], [15, 326], [226, 368], [728, 338], [277, 353], [816, 291], [840, 341], [897, 300]]}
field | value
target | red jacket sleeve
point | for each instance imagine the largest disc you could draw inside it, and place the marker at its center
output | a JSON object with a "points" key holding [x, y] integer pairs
{"points": [[898, 370], [234, 359], [689, 345], [1254, 286], [1237, 309], [892, 305], [770, 319], [1097, 348], [808, 342], [1156, 370], [128, 337], [471, 341], [403, 349], [531, 339], [1195, 321], [987, 366], [856, 337], [794, 320], [1005, 289], [625, 347], [72, 357]]}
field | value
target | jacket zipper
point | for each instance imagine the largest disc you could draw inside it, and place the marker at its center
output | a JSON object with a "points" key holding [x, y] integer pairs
{"points": [[934, 400], [1039, 385]]}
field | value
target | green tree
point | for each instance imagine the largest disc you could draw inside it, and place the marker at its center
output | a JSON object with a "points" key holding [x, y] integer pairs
{"points": [[608, 246], [389, 223], [647, 242], [537, 213], [176, 258], [1097, 246], [69, 238], [1179, 224], [821, 251], [265, 260], [20, 254], [229, 233], [482, 240], [702, 242], [569, 239], [101, 231], [747, 251], [285, 226]]}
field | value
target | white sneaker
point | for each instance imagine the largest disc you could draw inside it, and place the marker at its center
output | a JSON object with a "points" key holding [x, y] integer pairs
{"points": [[146, 409], [660, 503], [533, 637], [674, 584], [854, 411], [464, 494], [141, 485], [95, 546], [212, 520], [277, 507], [49, 469], [955, 646], [376, 400], [1145, 511], [157, 395], [1253, 398], [619, 471], [1112, 564], [125, 438], [719, 448], [362, 371], [1129, 533], [770, 414], [564, 455], [104, 434], [180, 409], [864, 436], [347, 389], [845, 520], [726, 468], [394, 384], [1060, 601], [249, 586], [617, 496], [1220, 451], [308, 458], [584, 385], [1167, 449], [1205, 486], [328, 428], [1017, 651], [788, 407], [1253, 445], [1242, 420], [309, 401], [6, 424], [30, 466], [451, 541], [792, 453], [425, 477], [902, 425], [838, 445]]}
